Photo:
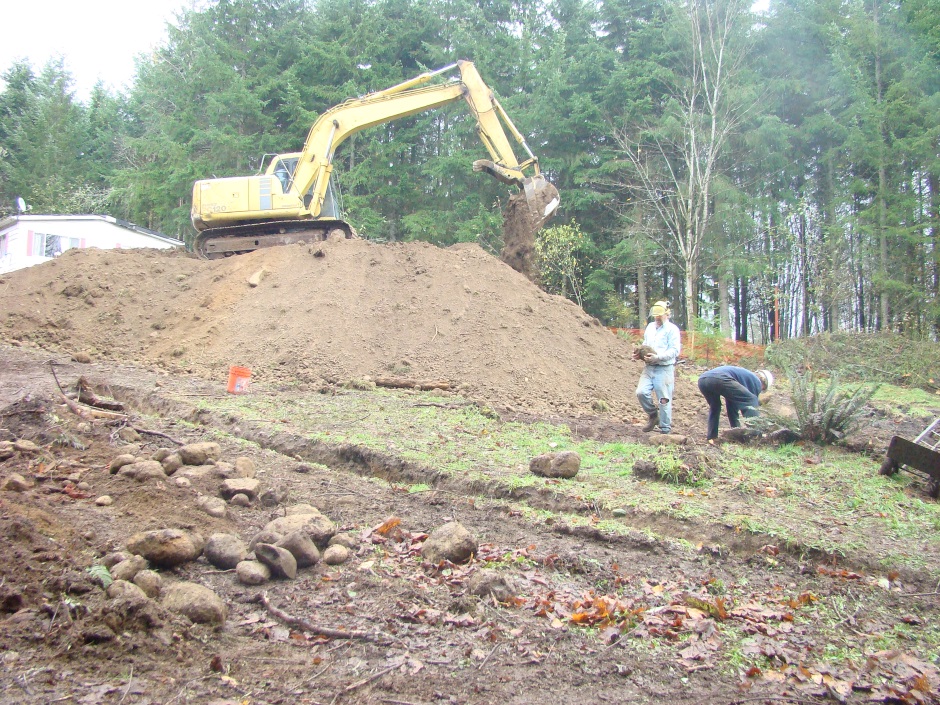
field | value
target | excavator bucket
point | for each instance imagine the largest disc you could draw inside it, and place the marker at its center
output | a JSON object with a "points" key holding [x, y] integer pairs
{"points": [[542, 199], [524, 215]]}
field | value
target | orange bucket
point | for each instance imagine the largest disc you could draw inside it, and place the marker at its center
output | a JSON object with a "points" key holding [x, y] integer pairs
{"points": [[238, 379]]}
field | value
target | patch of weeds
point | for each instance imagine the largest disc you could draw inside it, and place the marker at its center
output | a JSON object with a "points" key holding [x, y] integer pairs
{"points": [[421, 487]]}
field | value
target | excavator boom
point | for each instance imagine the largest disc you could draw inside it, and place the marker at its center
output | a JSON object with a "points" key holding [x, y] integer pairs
{"points": [[293, 200]]}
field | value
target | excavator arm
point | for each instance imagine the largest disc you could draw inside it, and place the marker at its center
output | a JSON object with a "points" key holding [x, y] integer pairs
{"points": [[290, 201]]}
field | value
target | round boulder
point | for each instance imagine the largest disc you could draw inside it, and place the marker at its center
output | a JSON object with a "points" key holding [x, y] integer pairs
{"points": [[451, 542], [197, 602], [225, 551], [166, 548], [564, 464]]}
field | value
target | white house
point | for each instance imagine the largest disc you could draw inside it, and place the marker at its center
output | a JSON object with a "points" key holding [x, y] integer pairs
{"points": [[26, 240]]}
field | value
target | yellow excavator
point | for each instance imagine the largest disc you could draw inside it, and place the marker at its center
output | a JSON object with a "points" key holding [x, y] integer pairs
{"points": [[294, 199]]}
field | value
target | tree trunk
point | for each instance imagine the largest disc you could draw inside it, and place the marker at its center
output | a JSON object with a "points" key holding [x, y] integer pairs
{"points": [[724, 318]]}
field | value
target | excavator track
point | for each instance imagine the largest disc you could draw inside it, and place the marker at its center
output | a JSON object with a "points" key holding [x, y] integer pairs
{"points": [[216, 243]]}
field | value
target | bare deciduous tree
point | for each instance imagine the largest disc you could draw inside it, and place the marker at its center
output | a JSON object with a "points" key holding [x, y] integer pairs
{"points": [[675, 162]]}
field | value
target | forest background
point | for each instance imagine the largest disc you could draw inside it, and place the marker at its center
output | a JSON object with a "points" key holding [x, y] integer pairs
{"points": [[772, 174]]}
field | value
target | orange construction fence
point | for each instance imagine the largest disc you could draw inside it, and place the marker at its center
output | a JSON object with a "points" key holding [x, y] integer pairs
{"points": [[706, 349]]}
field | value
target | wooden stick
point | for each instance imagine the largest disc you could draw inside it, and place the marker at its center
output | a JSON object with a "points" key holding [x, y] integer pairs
{"points": [[157, 433], [403, 383], [313, 628]]}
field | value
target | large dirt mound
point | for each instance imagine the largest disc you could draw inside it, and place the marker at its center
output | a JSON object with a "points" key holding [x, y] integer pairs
{"points": [[334, 311]]}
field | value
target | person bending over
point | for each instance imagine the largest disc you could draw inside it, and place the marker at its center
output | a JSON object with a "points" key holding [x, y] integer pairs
{"points": [[741, 390]]}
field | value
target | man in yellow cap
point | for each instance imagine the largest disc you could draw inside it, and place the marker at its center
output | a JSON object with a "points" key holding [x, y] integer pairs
{"points": [[660, 350]]}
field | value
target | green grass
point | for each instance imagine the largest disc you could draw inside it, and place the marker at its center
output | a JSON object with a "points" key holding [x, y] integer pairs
{"points": [[810, 498]]}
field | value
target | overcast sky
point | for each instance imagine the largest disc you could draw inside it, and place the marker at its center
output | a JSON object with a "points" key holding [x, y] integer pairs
{"points": [[98, 39]]}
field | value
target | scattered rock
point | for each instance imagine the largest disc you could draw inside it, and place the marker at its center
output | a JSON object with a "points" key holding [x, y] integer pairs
{"points": [[128, 435], [350, 541], [143, 471], [264, 536], [24, 446], [301, 509], [150, 582], [319, 528], [196, 602], [171, 463], [244, 467], [562, 464], [336, 554], [213, 506], [281, 561], [112, 559], [127, 569], [302, 548], [160, 454], [120, 461], [199, 453], [246, 486], [225, 551], [252, 573], [451, 542], [487, 582], [166, 548], [240, 500], [14, 482], [125, 590]]}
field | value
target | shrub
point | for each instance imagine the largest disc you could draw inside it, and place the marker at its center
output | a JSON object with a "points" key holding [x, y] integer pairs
{"points": [[823, 417]]}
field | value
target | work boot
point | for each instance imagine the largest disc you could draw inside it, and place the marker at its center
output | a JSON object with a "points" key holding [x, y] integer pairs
{"points": [[652, 422]]}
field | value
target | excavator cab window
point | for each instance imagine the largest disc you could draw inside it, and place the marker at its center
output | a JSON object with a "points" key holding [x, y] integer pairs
{"points": [[284, 170]]}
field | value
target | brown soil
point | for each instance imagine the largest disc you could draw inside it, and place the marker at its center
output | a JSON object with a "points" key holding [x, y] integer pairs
{"points": [[161, 323]]}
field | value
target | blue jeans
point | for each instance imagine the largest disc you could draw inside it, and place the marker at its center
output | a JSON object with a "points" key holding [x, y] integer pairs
{"points": [[738, 398], [660, 379]]}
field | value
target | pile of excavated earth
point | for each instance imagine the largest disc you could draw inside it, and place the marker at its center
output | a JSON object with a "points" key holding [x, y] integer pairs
{"points": [[335, 312]]}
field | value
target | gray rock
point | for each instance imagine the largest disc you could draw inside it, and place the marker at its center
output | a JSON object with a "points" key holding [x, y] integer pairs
{"points": [[319, 528], [252, 573], [302, 548], [336, 554], [264, 536], [242, 485], [199, 453], [198, 603], [166, 548], [450, 542], [281, 562], [213, 506], [150, 582], [225, 551]]}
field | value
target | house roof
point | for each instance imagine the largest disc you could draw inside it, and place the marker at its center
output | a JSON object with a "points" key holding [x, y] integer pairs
{"points": [[11, 220]]}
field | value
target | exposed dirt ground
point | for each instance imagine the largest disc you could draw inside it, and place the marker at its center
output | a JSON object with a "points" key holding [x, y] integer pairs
{"points": [[385, 626]]}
